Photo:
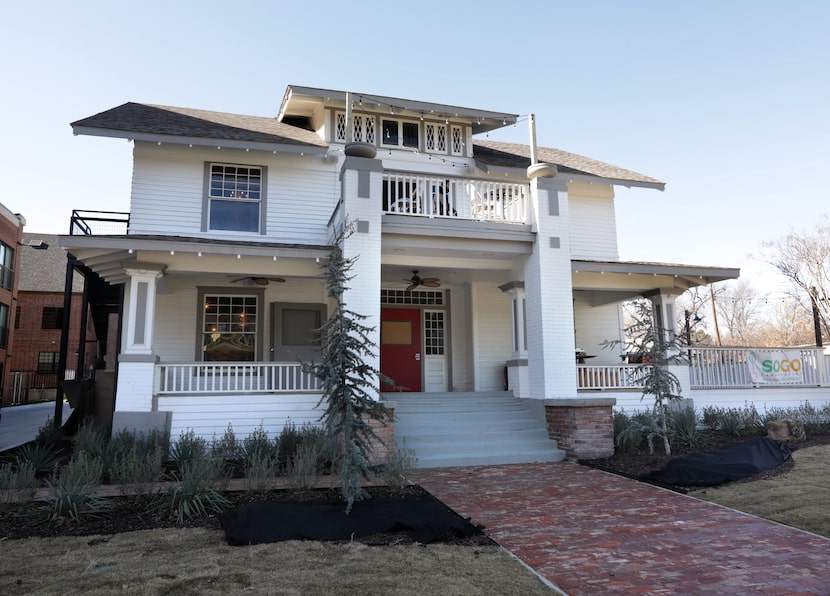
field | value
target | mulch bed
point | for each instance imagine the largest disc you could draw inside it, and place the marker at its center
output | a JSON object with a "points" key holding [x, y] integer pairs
{"points": [[141, 512], [640, 464]]}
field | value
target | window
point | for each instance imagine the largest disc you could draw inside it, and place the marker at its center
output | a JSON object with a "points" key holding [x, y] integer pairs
{"points": [[6, 266], [4, 326], [47, 362], [235, 197], [436, 138], [457, 141], [52, 317], [400, 134], [229, 328], [363, 128]]}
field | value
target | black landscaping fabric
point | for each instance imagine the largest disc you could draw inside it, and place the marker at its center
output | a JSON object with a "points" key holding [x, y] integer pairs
{"points": [[423, 520], [724, 464]]}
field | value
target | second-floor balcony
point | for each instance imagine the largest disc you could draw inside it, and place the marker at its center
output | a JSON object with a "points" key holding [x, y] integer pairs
{"points": [[455, 198]]}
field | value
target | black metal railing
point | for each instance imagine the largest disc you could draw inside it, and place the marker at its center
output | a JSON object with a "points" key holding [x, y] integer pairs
{"points": [[99, 223]]}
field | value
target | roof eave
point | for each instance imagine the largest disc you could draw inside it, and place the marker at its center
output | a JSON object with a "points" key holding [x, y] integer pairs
{"points": [[707, 274], [482, 120], [498, 170], [296, 147]]}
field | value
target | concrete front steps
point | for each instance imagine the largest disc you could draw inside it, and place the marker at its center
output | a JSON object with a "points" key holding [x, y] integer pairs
{"points": [[470, 429]]}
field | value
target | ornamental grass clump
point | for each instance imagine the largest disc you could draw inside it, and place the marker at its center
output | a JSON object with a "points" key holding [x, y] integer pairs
{"points": [[192, 493], [17, 482], [71, 492]]}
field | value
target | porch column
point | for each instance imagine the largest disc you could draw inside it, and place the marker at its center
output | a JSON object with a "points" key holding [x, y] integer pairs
{"points": [[549, 291], [362, 198], [517, 365], [136, 367], [665, 321]]}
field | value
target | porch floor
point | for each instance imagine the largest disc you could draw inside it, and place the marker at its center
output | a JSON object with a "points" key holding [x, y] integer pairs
{"points": [[591, 532]]}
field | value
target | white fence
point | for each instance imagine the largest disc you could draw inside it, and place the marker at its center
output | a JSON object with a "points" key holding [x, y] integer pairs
{"points": [[726, 368], [458, 198], [711, 368], [232, 377]]}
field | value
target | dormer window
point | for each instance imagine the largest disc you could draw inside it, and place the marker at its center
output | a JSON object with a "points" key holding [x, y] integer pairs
{"points": [[397, 133], [235, 197]]}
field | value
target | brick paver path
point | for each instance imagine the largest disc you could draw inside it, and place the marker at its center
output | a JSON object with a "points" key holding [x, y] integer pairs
{"points": [[591, 532]]}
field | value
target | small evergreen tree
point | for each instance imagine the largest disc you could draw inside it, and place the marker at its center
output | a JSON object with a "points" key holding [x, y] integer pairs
{"points": [[658, 348], [346, 379]]}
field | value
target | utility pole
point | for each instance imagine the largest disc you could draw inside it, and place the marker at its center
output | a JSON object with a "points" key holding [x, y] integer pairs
{"points": [[714, 315]]}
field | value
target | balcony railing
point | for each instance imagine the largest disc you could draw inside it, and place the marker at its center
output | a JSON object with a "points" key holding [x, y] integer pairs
{"points": [[194, 378], [99, 223], [455, 198]]}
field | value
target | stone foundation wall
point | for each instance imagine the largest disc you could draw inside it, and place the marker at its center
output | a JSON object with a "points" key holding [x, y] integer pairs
{"points": [[582, 428]]}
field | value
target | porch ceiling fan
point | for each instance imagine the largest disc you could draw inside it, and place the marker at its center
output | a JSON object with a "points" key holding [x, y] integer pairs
{"points": [[416, 280], [258, 280]]}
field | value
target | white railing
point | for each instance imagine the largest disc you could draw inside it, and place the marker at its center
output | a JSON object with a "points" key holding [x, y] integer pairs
{"points": [[232, 377], [458, 198], [612, 376], [724, 368]]}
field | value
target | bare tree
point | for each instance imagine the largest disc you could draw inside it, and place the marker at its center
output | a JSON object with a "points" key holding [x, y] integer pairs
{"points": [[786, 324], [804, 259], [738, 308]]}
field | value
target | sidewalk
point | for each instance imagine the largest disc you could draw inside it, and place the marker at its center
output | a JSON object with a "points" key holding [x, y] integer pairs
{"points": [[591, 532], [19, 424]]}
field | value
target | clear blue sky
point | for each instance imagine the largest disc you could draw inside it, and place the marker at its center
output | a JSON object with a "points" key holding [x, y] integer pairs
{"points": [[727, 102]]}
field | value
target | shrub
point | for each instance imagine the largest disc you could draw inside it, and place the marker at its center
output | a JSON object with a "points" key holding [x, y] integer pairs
{"points": [[17, 483], [228, 448], [72, 491], [631, 431], [257, 444], [192, 494], [139, 469], [397, 467], [289, 442], [43, 458], [683, 425], [188, 448], [261, 468], [303, 469]]}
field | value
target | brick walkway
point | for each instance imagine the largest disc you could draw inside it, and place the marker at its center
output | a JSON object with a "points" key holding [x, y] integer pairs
{"points": [[590, 532]]}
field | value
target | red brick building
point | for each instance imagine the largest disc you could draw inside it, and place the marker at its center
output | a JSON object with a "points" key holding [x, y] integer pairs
{"points": [[38, 320], [11, 235]]}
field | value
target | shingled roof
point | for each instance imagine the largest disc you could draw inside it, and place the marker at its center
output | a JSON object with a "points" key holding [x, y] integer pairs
{"points": [[147, 121], [512, 155], [43, 265]]}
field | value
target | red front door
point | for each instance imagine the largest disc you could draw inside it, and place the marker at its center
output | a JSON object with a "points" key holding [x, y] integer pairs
{"points": [[400, 348]]}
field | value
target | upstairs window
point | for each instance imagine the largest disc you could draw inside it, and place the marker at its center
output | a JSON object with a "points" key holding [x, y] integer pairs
{"points": [[235, 197], [4, 326], [51, 318], [363, 128], [6, 266], [457, 141], [436, 138], [397, 133]]}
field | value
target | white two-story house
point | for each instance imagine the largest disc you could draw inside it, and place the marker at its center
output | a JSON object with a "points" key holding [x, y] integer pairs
{"points": [[489, 271]]}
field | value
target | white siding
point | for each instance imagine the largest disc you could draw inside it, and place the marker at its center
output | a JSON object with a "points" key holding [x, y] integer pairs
{"points": [[168, 192], [176, 324], [492, 340], [209, 416], [593, 221], [595, 325]]}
